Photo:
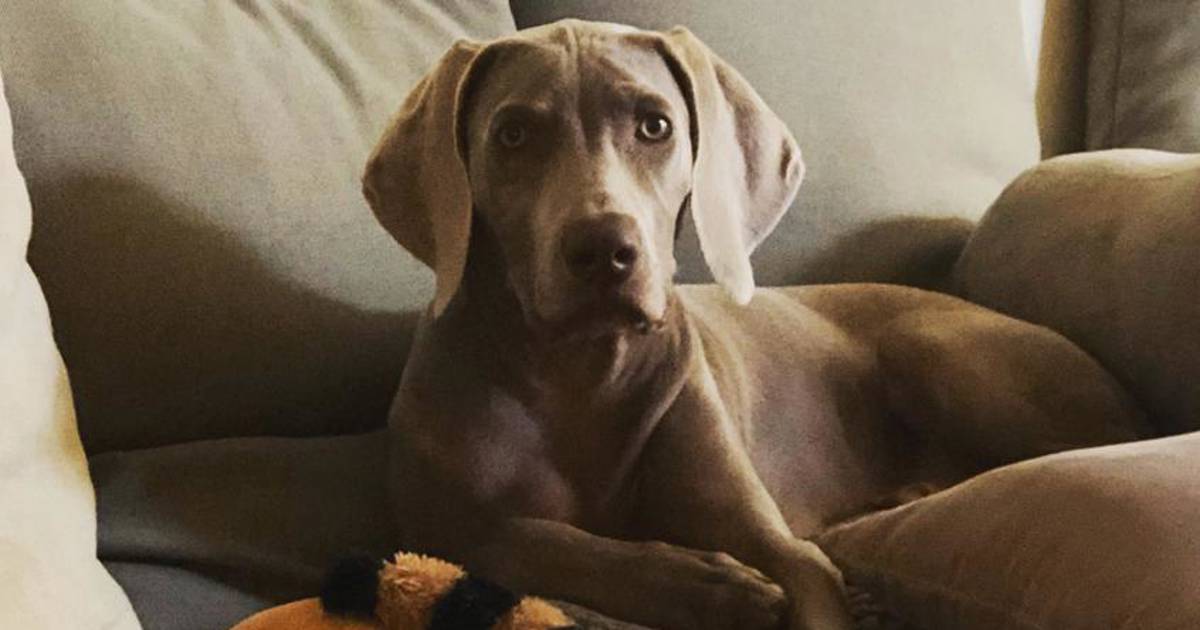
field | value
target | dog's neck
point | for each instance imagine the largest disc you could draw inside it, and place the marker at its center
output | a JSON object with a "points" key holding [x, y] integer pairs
{"points": [[607, 392]]}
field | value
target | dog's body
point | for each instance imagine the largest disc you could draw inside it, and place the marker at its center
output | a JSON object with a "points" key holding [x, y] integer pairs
{"points": [[572, 424]]}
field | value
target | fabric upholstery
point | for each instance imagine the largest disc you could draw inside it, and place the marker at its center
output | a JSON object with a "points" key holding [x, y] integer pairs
{"points": [[1102, 247], [174, 598], [1062, 77], [204, 534], [1096, 538], [911, 116], [265, 516], [48, 568], [200, 234], [1144, 75]]}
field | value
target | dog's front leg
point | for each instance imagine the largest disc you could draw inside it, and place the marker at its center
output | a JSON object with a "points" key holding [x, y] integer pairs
{"points": [[699, 489], [650, 583], [653, 584]]}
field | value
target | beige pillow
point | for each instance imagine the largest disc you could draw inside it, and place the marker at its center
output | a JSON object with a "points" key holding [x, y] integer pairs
{"points": [[1144, 75], [911, 115], [49, 575], [1082, 540]]}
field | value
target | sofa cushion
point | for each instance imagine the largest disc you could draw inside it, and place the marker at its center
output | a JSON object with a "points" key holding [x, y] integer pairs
{"points": [[200, 234], [911, 116], [1144, 75], [48, 567], [1094, 538], [204, 534], [1101, 247], [174, 598], [263, 515]]}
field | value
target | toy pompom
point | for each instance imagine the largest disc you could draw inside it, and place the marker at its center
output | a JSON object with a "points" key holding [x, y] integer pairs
{"points": [[415, 592]]}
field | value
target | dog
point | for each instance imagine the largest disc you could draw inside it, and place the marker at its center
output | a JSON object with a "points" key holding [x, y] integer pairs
{"points": [[572, 424]]}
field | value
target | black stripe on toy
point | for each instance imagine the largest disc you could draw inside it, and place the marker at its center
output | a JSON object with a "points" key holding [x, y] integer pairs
{"points": [[471, 604], [351, 588]]}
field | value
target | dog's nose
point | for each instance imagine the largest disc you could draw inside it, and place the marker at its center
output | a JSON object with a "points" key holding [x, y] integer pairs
{"points": [[602, 249]]}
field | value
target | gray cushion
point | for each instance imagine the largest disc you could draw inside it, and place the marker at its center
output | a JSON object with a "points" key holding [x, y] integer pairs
{"points": [[909, 114], [194, 167], [204, 534], [1144, 75], [173, 598], [263, 515]]}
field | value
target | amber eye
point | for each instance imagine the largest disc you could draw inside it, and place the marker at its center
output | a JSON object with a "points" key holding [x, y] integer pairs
{"points": [[512, 135], [654, 128]]}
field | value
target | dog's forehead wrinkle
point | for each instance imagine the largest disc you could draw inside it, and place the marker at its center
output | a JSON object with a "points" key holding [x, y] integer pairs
{"points": [[565, 68], [540, 105], [619, 63], [611, 86], [637, 76], [522, 78], [522, 66]]}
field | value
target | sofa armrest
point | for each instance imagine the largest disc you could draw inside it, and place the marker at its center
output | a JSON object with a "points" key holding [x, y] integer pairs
{"points": [[1062, 77]]}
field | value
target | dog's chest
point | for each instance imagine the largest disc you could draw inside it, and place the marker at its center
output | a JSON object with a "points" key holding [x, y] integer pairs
{"points": [[558, 462], [546, 489]]}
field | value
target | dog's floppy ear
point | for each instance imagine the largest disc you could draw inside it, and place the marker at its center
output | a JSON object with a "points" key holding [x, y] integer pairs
{"points": [[416, 179], [747, 166]]}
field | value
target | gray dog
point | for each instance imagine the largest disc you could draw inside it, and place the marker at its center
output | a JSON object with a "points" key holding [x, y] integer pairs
{"points": [[572, 424]]}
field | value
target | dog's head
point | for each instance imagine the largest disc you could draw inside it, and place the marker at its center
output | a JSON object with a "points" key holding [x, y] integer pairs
{"points": [[578, 146]]}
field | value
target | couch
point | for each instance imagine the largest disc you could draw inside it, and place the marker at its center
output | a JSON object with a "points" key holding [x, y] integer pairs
{"points": [[234, 322]]}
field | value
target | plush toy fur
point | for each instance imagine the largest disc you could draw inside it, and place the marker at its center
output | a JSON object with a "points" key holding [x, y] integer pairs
{"points": [[412, 592]]}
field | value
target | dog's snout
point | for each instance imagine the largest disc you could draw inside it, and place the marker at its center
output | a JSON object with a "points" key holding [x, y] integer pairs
{"points": [[602, 249]]}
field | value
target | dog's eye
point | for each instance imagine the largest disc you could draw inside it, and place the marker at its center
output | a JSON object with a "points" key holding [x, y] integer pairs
{"points": [[654, 128], [512, 135]]}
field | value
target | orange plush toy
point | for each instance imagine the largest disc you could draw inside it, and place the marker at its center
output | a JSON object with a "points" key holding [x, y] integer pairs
{"points": [[412, 592]]}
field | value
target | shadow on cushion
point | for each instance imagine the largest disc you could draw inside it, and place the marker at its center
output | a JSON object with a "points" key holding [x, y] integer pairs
{"points": [[909, 250], [265, 516], [185, 308]]}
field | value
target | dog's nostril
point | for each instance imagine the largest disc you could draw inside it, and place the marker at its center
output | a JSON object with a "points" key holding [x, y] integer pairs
{"points": [[604, 262], [624, 257]]}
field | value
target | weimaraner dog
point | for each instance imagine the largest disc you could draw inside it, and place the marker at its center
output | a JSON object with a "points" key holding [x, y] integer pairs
{"points": [[572, 424]]}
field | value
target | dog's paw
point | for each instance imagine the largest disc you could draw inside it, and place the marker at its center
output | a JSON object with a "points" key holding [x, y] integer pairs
{"points": [[869, 613], [713, 591]]}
